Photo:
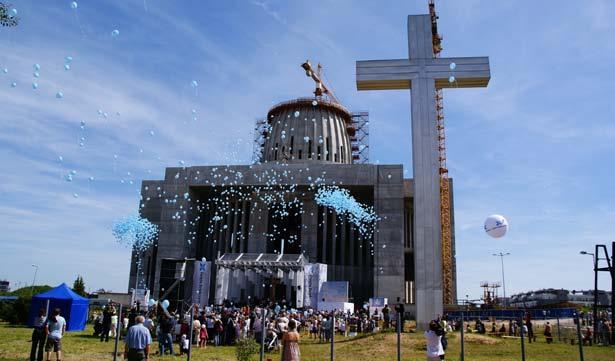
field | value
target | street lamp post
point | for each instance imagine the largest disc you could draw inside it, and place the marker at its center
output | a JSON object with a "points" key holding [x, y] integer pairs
{"points": [[595, 306], [501, 255], [34, 279]]}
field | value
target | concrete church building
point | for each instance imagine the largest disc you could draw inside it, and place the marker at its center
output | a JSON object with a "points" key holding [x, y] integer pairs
{"points": [[305, 142]]}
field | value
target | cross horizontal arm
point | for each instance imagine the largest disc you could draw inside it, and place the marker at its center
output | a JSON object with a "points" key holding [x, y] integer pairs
{"points": [[385, 74], [398, 73], [469, 72]]}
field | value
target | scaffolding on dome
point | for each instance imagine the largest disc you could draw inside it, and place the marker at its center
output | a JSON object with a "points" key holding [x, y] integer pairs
{"points": [[359, 141], [261, 130]]}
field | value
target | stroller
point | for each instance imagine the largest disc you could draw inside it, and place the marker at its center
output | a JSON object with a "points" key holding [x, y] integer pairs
{"points": [[271, 340]]}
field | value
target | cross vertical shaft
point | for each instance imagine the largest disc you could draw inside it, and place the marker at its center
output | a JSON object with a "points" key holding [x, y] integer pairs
{"points": [[423, 74]]}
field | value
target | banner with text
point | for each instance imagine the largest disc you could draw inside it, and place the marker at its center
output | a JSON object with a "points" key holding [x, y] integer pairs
{"points": [[200, 283]]}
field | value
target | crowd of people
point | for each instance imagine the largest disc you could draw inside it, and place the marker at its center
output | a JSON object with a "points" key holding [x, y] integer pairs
{"points": [[226, 324], [179, 332]]}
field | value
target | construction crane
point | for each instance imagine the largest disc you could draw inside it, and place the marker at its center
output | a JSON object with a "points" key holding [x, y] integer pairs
{"points": [[445, 193], [321, 88]]}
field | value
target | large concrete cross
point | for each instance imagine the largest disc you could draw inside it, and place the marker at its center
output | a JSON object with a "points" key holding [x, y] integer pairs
{"points": [[423, 74]]}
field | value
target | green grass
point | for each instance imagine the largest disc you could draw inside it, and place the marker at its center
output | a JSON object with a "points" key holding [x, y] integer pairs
{"points": [[15, 345]]}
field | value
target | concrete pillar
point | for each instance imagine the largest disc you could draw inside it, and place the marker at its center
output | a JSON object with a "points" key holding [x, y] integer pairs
{"points": [[309, 229], [425, 166], [259, 219]]}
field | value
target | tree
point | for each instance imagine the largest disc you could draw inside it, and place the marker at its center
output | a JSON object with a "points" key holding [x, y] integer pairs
{"points": [[79, 287], [7, 18]]}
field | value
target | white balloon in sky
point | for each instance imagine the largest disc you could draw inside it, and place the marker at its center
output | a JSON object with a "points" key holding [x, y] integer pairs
{"points": [[496, 226]]}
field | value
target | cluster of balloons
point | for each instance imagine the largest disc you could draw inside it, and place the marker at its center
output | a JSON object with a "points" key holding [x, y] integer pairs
{"points": [[135, 231], [344, 203], [152, 302]]}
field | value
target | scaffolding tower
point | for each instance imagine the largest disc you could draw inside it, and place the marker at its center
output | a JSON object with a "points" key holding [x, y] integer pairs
{"points": [[448, 270], [261, 131], [359, 142]]}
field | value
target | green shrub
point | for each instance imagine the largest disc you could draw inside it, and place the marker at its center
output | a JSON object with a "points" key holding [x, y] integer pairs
{"points": [[15, 312], [246, 347]]}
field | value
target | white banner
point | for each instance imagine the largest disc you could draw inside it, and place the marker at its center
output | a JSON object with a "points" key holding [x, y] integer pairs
{"points": [[315, 275], [200, 283], [141, 296], [334, 291]]}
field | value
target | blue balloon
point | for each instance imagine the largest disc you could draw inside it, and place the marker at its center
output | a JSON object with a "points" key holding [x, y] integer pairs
{"points": [[34, 85], [13, 12], [13, 85], [37, 67], [68, 59], [194, 84], [115, 33], [74, 5], [59, 95], [66, 66]]}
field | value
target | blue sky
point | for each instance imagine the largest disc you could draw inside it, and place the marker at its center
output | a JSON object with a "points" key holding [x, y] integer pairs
{"points": [[537, 145]]}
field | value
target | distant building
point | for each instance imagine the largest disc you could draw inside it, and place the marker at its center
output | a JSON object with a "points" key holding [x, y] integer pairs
{"points": [[552, 297], [586, 298], [5, 286]]}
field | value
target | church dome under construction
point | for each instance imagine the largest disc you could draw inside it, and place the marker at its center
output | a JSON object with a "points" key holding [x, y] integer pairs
{"points": [[307, 129]]}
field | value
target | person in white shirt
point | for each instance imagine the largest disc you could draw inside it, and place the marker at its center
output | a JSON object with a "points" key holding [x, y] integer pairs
{"points": [[434, 342], [55, 329]]}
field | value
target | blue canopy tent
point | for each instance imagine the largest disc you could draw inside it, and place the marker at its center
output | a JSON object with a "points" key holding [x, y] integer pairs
{"points": [[73, 307]]}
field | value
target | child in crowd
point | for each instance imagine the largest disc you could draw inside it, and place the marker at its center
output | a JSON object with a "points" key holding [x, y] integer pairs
{"points": [[184, 345], [203, 336]]}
